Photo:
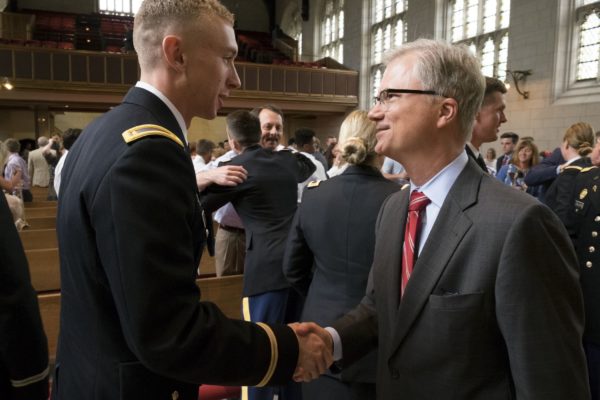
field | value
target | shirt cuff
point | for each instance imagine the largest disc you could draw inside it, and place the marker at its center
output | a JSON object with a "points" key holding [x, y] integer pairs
{"points": [[337, 343]]}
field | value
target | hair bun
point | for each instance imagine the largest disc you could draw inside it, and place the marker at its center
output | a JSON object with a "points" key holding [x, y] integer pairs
{"points": [[354, 151]]}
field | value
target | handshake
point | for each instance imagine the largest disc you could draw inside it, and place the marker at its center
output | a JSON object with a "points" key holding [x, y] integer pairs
{"points": [[315, 353]]}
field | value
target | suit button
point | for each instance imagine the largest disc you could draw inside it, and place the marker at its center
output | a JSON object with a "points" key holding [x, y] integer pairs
{"points": [[395, 373], [175, 395], [594, 233], [588, 264], [597, 219], [591, 249]]}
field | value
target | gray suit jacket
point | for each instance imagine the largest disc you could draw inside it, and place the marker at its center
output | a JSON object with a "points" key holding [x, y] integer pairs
{"points": [[493, 309]]}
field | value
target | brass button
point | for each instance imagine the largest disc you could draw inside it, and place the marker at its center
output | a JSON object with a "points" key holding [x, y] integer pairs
{"points": [[597, 219], [588, 264], [591, 249], [594, 233], [175, 395]]}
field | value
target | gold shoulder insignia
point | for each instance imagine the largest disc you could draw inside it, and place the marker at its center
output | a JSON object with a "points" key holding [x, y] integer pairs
{"points": [[587, 169], [141, 131], [582, 194], [572, 167], [405, 186], [313, 184]]}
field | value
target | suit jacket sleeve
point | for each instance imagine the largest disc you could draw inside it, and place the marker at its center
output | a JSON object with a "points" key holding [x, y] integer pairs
{"points": [[559, 195], [23, 344], [151, 277], [545, 171], [298, 258], [305, 167], [539, 308], [358, 329]]}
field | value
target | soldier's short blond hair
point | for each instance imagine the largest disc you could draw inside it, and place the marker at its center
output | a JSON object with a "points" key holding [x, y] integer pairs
{"points": [[156, 19]]}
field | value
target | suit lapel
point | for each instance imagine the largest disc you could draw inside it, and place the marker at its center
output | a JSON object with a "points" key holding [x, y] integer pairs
{"points": [[447, 233]]}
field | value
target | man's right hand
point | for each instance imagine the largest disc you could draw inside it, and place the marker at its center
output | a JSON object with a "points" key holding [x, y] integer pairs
{"points": [[228, 175], [316, 351]]}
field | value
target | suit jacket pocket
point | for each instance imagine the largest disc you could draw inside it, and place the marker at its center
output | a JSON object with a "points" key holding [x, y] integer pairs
{"points": [[138, 382], [456, 301]]}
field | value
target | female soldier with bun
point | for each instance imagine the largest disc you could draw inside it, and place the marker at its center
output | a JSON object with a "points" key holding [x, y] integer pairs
{"points": [[334, 229]]}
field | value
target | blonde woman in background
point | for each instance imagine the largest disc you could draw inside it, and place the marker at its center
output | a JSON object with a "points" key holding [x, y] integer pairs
{"points": [[333, 230], [577, 145]]}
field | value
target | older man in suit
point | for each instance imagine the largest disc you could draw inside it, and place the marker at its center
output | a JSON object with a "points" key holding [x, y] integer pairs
{"points": [[475, 305], [131, 231]]}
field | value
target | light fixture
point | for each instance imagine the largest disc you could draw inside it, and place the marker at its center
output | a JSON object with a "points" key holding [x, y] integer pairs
{"points": [[520, 77], [6, 84]]}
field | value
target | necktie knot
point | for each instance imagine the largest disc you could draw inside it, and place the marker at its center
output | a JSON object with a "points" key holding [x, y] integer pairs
{"points": [[418, 201]]}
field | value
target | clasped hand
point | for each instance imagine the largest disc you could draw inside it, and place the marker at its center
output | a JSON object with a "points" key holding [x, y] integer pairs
{"points": [[315, 351]]}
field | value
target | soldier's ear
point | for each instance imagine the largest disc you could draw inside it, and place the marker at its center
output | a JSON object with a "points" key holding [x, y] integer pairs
{"points": [[173, 52]]}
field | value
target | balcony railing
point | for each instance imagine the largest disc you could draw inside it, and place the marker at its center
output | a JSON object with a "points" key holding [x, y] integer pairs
{"points": [[35, 70]]}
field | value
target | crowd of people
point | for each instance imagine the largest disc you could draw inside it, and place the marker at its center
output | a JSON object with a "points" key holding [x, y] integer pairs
{"points": [[397, 262]]}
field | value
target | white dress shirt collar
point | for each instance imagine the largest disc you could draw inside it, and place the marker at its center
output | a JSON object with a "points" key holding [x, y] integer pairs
{"points": [[174, 110], [436, 189]]}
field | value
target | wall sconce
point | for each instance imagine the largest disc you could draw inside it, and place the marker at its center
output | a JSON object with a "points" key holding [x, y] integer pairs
{"points": [[520, 77], [6, 83]]}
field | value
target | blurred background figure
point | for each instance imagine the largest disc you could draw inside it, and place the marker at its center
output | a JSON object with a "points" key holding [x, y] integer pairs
{"points": [[524, 157], [69, 138], [16, 165], [39, 171], [490, 160], [333, 230]]}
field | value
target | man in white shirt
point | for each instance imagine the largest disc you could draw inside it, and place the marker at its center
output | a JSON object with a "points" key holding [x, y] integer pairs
{"points": [[304, 138], [69, 137]]}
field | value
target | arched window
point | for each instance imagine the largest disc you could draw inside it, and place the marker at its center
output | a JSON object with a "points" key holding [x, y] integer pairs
{"points": [[483, 26], [577, 69], [119, 7], [332, 30], [388, 30], [588, 40]]}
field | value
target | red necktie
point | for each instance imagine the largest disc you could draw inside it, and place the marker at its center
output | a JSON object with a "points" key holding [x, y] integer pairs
{"points": [[418, 202]]}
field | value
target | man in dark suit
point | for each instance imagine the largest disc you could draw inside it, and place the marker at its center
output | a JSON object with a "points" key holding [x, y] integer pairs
{"points": [[131, 231], [508, 141], [477, 316], [23, 344], [266, 203], [488, 120]]}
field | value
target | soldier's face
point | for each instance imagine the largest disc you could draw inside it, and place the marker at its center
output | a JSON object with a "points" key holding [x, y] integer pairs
{"points": [[211, 73]]}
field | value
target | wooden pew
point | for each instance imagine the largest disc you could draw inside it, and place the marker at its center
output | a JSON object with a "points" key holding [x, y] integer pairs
{"points": [[39, 193], [50, 311], [226, 292], [36, 212], [33, 239], [44, 268], [41, 222], [40, 204]]}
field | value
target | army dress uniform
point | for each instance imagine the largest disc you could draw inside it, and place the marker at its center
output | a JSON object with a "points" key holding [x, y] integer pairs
{"points": [[131, 234], [23, 344], [584, 227]]}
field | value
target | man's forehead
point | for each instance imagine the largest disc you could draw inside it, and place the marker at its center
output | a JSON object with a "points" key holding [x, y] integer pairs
{"points": [[268, 116]]}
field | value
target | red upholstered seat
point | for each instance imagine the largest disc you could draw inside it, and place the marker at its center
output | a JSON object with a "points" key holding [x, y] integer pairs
{"points": [[212, 392]]}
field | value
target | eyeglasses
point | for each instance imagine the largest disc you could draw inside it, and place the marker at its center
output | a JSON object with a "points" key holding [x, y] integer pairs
{"points": [[386, 94]]}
